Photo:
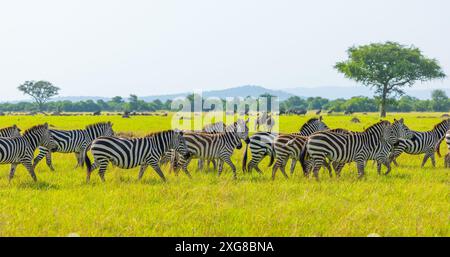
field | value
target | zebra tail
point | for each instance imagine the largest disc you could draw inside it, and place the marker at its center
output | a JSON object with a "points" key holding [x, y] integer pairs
{"points": [[244, 160], [272, 155], [302, 158], [88, 162]]}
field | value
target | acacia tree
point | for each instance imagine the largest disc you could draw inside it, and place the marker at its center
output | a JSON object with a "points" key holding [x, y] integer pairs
{"points": [[388, 68], [41, 91]]}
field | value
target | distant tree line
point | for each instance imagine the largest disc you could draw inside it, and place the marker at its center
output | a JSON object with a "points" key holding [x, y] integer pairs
{"points": [[439, 102]]}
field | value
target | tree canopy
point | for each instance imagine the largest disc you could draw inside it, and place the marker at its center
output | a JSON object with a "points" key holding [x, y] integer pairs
{"points": [[41, 91], [388, 68]]}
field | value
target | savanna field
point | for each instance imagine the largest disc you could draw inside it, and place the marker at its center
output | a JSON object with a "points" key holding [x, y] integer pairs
{"points": [[410, 201]]}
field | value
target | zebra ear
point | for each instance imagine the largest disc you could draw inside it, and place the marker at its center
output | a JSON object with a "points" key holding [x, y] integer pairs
{"points": [[14, 126], [401, 120], [46, 125]]}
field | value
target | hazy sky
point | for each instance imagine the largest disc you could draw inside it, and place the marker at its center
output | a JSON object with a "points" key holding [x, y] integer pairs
{"points": [[108, 48]]}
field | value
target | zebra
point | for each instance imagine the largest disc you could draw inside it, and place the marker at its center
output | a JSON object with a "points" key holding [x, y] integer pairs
{"points": [[20, 150], [74, 141], [423, 143], [12, 131], [375, 143], [266, 120], [447, 156], [129, 153], [216, 146], [261, 144], [381, 148]]}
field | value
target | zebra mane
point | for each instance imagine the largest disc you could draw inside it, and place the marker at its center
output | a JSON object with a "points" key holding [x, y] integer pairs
{"points": [[156, 133], [383, 122], [10, 127], [98, 124], [309, 122], [440, 123], [34, 128]]}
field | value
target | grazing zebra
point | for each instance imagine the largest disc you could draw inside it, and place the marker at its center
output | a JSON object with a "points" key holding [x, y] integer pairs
{"points": [[216, 146], [12, 131], [261, 144], [265, 120], [130, 153], [375, 143], [423, 143], [447, 156], [20, 150], [74, 141]]}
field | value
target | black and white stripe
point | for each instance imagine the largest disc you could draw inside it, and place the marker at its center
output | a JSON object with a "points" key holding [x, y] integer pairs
{"points": [[12, 131], [261, 144], [426, 142], [375, 143], [74, 141], [287, 146], [20, 150], [130, 153], [218, 146]]}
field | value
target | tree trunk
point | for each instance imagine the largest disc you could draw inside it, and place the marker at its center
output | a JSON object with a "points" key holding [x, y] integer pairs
{"points": [[383, 102]]}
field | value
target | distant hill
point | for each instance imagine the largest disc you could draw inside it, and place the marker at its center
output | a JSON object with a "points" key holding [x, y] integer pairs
{"points": [[243, 91]]}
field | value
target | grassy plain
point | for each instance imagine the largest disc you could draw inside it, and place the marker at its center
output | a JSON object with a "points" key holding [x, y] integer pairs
{"points": [[408, 202]]}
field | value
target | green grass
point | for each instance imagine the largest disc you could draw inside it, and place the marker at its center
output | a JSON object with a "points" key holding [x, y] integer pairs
{"points": [[409, 202]]}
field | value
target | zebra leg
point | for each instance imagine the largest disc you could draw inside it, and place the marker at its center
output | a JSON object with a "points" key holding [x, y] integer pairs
{"points": [[433, 160], [425, 159], [42, 153], [102, 170], [293, 162], [230, 163], [185, 164], [330, 171], [48, 159], [12, 171], [142, 170], [379, 167], [395, 162], [388, 165], [29, 167], [283, 170], [360, 166], [200, 164], [274, 169]]}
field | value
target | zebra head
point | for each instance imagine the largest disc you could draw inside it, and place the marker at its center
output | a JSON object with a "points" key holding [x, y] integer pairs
{"points": [[397, 130], [313, 125], [101, 129], [40, 136], [12, 131], [179, 143]]}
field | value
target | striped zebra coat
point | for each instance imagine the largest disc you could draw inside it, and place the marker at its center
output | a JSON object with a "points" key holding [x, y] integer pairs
{"points": [[218, 146], [12, 131], [20, 150], [375, 143], [128, 153], [423, 143], [173, 158], [447, 156], [287, 146], [261, 144], [74, 141]]}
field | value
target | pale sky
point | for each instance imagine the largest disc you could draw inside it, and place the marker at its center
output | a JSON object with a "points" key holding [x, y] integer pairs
{"points": [[107, 48]]}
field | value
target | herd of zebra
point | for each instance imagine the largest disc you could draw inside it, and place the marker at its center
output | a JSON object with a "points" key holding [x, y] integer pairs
{"points": [[314, 146]]}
